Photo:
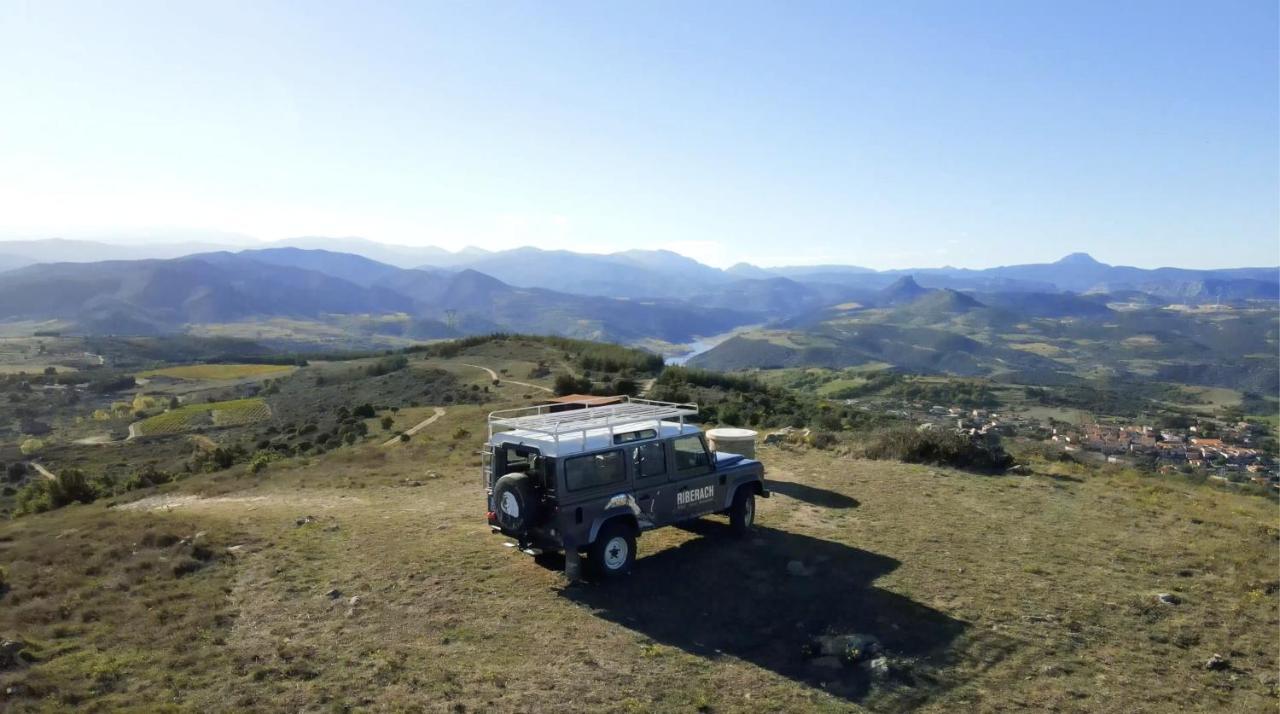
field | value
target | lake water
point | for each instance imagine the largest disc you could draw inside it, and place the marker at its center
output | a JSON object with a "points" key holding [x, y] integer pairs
{"points": [[696, 348], [703, 344]]}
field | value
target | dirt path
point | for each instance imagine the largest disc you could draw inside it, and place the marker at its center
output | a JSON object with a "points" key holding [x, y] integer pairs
{"points": [[173, 501], [439, 412], [43, 471], [494, 375]]}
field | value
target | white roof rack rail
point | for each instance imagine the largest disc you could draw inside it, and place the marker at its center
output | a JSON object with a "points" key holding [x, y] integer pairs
{"points": [[578, 421]]}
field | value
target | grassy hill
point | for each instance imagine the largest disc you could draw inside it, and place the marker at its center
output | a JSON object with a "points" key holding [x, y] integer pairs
{"points": [[366, 579], [306, 557]]}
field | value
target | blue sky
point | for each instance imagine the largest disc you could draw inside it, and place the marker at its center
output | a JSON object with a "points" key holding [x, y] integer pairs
{"points": [[903, 134]]}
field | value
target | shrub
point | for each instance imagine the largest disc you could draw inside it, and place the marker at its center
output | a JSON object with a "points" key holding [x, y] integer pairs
{"points": [[47, 494], [72, 485], [940, 447], [31, 446], [387, 422], [146, 477], [16, 471], [461, 433], [364, 411], [35, 497], [564, 384], [822, 440], [387, 365], [261, 459], [539, 371]]}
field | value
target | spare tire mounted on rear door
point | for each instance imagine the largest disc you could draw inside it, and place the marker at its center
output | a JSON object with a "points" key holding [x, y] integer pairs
{"points": [[514, 504]]}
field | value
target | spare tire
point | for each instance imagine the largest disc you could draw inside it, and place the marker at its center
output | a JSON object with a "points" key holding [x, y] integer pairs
{"points": [[515, 506]]}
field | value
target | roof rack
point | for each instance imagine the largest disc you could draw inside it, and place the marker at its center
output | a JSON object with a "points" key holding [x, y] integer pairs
{"points": [[541, 420]]}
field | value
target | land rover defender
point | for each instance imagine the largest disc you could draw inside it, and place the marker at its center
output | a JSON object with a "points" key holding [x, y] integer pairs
{"points": [[589, 480]]}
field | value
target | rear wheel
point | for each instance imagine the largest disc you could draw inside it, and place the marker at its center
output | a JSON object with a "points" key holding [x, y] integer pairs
{"points": [[742, 514], [614, 551]]}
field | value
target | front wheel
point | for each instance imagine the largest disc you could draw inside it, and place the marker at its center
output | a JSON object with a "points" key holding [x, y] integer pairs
{"points": [[614, 551], [742, 514]]}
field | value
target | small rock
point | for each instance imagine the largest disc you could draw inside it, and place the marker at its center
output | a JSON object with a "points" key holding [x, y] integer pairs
{"points": [[233, 549], [1217, 663], [826, 662], [1169, 599], [355, 600], [1020, 469], [333, 594], [878, 668], [304, 521], [799, 569]]}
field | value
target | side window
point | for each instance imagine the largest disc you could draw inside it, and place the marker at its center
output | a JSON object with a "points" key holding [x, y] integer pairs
{"points": [[691, 455], [582, 472], [649, 459]]}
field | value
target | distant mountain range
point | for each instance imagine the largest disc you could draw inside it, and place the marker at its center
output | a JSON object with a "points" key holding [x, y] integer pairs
{"points": [[665, 274], [631, 296], [1022, 337], [158, 296]]}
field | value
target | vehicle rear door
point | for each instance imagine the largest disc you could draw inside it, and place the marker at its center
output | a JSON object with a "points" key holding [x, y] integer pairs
{"points": [[693, 488]]}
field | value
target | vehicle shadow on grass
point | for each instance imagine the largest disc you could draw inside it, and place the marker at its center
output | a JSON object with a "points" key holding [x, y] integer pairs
{"points": [[716, 596], [812, 495]]}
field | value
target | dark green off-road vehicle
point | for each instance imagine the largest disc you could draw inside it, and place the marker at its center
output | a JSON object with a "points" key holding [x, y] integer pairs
{"points": [[583, 479]]}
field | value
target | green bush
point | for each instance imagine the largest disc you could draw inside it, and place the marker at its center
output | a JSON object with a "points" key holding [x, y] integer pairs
{"points": [[568, 384], [35, 497], [387, 365], [72, 485], [261, 459], [47, 494], [146, 477], [940, 447]]}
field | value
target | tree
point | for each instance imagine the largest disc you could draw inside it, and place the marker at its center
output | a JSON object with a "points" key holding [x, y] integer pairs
{"points": [[565, 384], [387, 421]]}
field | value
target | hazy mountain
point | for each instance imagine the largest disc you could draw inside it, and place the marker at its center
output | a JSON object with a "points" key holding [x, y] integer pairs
{"points": [[353, 268], [665, 274], [9, 262], [1047, 304], [747, 270], [117, 296], [401, 256], [630, 274], [150, 296], [901, 291], [771, 298]]}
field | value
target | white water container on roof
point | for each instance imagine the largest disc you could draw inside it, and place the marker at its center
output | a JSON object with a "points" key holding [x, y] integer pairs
{"points": [[733, 441]]}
